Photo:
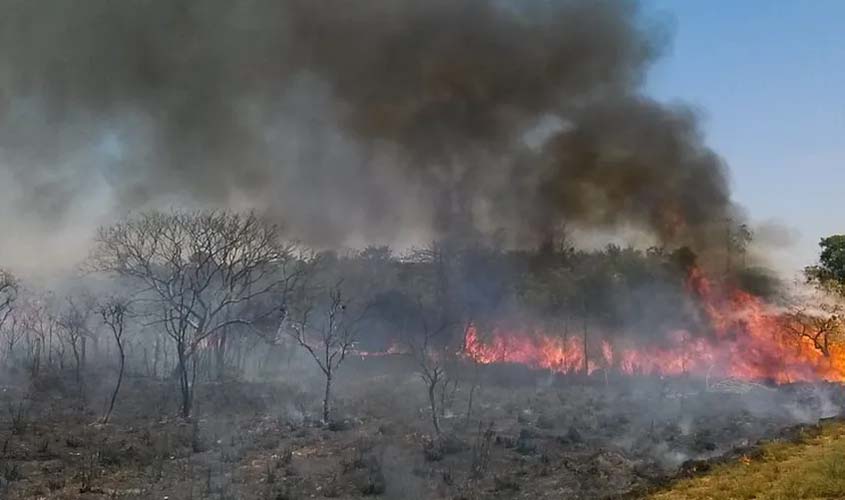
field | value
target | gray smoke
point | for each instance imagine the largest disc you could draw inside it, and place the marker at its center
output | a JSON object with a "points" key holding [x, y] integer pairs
{"points": [[349, 121]]}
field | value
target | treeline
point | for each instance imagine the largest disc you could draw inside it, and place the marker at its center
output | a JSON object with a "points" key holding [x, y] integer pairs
{"points": [[194, 296]]}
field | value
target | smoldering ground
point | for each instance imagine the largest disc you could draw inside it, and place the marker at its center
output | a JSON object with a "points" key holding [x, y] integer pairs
{"points": [[350, 122], [550, 438]]}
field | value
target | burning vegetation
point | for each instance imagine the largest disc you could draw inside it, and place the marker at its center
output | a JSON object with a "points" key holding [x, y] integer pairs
{"points": [[474, 369], [285, 331], [742, 336]]}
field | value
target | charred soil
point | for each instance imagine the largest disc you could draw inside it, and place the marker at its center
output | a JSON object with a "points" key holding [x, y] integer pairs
{"points": [[527, 435]]}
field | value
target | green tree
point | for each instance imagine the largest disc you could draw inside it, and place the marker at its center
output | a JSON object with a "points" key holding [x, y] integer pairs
{"points": [[830, 271]]}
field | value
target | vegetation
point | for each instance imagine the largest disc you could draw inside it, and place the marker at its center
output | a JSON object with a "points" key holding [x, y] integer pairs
{"points": [[113, 313], [329, 337], [200, 273], [831, 267], [183, 312], [8, 293], [212, 290], [811, 468], [819, 317]]}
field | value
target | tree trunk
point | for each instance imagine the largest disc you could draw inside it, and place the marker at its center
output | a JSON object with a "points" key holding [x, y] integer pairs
{"points": [[77, 358], [446, 398], [475, 383], [117, 386], [432, 400], [83, 352], [77, 362], [327, 399], [156, 354], [184, 381], [221, 355], [36, 360]]}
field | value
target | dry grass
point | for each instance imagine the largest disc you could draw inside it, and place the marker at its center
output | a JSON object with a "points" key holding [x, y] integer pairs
{"points": [[811, 469]]}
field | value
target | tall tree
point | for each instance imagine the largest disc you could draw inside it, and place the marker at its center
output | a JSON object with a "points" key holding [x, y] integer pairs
{"points": [[73, 323], [114, 312], [197, 272]]}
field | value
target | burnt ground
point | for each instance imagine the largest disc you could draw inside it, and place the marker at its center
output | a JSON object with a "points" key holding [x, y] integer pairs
{"points": [[531, 435]]}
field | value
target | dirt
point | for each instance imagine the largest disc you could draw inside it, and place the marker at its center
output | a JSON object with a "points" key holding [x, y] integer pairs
{"points": [[530, 435]]}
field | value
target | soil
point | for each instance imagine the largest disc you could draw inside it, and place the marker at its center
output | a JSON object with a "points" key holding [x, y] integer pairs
{"points": [[529, 435]]}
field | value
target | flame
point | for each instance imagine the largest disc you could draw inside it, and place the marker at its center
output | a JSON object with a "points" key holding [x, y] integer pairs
{"points": [[746, 340]]}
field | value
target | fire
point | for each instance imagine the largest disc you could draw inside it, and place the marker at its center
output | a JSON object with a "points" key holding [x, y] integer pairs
{"points": [[746, 340]]}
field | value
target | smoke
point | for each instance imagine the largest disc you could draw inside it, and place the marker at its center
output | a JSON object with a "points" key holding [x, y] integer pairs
{"points": [[348, 121]]}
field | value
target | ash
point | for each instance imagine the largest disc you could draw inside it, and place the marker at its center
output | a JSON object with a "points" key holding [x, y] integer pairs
{"points": [[529, 434]]}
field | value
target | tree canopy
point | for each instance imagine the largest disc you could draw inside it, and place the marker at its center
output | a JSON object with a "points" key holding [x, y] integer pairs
{"points": [[830, 270]]}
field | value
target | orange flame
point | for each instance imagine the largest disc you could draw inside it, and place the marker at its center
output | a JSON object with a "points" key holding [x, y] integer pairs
{"points": [[746, 341]]}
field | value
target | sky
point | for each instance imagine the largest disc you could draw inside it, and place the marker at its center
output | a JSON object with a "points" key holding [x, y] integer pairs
{"points": [[768, 78]]}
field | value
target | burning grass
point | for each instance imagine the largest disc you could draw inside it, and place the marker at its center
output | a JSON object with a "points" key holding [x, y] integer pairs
{"points": [[741, 336], [813, 467]]}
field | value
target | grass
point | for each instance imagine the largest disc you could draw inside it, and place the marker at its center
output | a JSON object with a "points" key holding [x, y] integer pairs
{"points": [[813, 468]]}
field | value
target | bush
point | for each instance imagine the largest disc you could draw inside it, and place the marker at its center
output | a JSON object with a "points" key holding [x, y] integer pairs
{"points": [[10, 471], [18, 417], [370, 481]]}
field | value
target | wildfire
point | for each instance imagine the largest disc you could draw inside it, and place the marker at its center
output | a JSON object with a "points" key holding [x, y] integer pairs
{"points": [[746, 340]]}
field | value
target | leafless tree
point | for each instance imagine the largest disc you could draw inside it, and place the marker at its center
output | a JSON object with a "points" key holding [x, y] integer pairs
{"points": [[197, 272], [327, 335], [40, 321], [438, 309], [114, 312], [13, 332], [73, 322], [431, 353], [475, 375], [821, 327], [8, 294]]}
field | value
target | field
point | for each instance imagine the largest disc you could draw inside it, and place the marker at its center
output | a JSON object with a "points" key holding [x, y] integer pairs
{"points": [[529, 435], [810, 466]]}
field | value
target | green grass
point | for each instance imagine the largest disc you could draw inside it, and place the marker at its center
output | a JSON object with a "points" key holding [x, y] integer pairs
{"points": [[813, 469]]}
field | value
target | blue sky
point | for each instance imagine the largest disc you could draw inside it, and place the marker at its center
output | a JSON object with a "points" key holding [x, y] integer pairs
{"points": [[768, 78]]}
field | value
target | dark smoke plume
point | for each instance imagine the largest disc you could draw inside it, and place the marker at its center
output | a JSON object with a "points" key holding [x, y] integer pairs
{"points": [[349, 119]]}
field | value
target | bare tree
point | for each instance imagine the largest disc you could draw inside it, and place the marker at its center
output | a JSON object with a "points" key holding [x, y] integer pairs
{"points": [[73, 322], [431, 354], [438, 308], [475, 367], [13, 333], [8, 294], [820, 327], [114, 312], [327, 335], [40, 322], [197, 271]]}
